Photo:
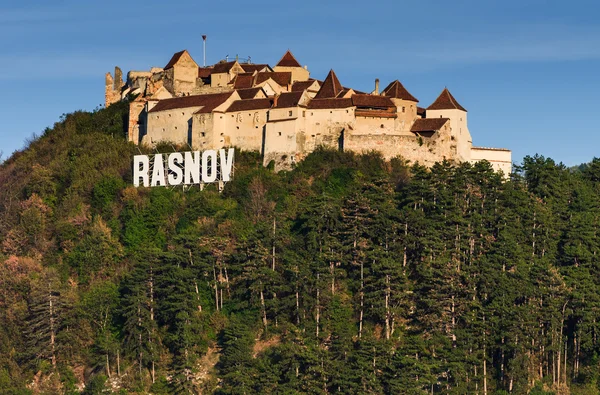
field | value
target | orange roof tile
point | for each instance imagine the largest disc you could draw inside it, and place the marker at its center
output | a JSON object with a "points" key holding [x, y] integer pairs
{"points": [[249, 93], [209, 102], [396, 90], [302, 85], [223, 67], [445, 101], [428, 124], [243, 81], [330, 103], [288, 60], [283, 78], [174, 59], [289, 99], [249, 104], [251, 68], [372, 101], [204, 72], [330, 88]]}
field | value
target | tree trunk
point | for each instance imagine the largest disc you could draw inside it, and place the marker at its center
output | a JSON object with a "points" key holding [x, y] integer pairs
{"points": [[318, 307], [362, 301], [387, 307]]}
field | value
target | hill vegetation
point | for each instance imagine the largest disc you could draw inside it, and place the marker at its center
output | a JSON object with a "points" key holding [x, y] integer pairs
{"points": [[348, 274]]}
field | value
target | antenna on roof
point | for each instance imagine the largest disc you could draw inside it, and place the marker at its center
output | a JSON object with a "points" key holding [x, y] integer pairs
{"points": [[204, 48]]}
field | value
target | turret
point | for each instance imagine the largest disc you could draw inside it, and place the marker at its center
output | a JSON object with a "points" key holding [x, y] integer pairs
{"points": [[406, 105], [446, 106]]}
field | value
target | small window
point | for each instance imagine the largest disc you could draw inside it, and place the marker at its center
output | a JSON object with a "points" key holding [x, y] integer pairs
{"points": [[331, 112], [303, 113], [290, 113], [280, 133], [311, 113], [175, 127], [182, 113], [440, 116], [221, 117], [346, 111], [381, 126], [231, 115], [236, 127], [169, 115], [403, 109], [203, 134]]}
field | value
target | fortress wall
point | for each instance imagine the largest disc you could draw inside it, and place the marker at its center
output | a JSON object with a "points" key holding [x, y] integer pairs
{"points": [[136, 124], [460, 131], [500, 159], [406, 115], [203, 131], [374, 125], [323, 127], [422, 149], [170, 125], [244, 129]]}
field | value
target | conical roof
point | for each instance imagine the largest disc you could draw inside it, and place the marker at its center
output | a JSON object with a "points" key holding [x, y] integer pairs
{"points": [[330, 88], [446, 101], [288, 60], [396, 90]]}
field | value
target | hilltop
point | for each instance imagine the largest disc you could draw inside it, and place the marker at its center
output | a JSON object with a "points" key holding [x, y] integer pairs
{"points": [[347, 273]]}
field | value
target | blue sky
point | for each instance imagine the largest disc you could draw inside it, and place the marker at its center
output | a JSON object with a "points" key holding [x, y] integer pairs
{"points": [[527, 73]]}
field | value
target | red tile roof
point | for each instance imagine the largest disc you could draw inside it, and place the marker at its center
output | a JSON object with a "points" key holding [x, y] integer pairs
{"points": [[289, 99], [249, 93], [330, 88], [249, 104], [204, 72], [445, 101], [288, 60], [223, 67], [243, 81], [428, 124], [372, 101], [421, 111], [302, 85], [283, 78], [396, 90], [330, 103], [251, 68], [375, 113], [206, 101], [174, 59]]}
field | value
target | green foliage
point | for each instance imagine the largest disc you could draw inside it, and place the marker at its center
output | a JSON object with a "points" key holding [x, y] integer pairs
{"points": [[347, 274]]}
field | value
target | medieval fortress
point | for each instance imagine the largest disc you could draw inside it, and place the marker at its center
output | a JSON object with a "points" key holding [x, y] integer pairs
{"points": [[285, 114]]}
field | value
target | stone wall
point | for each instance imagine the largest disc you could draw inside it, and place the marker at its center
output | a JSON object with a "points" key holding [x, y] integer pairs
{"points": [[423, 149], [170, 125], [112, 87], [460, 131], [499, 158], [244, 129]]}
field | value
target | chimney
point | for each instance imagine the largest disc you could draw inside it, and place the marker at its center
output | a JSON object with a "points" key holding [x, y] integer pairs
{"points": [[204, 50], [376, 92]]}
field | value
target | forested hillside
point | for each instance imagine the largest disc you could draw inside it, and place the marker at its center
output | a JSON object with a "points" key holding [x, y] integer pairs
{"points": [[346, 275]]}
